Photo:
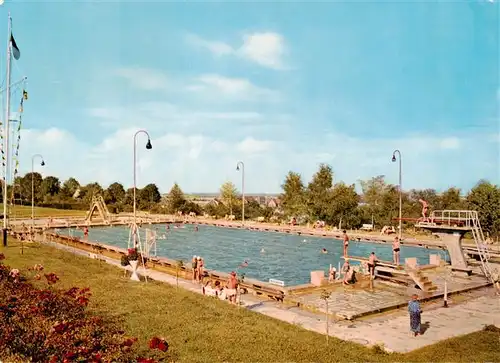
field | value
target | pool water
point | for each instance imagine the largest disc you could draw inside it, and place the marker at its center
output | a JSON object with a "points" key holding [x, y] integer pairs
{"points": [[270, 255]]}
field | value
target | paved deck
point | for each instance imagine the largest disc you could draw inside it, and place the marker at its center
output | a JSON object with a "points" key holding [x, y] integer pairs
{"points": [[390, 331], [351, 302]]}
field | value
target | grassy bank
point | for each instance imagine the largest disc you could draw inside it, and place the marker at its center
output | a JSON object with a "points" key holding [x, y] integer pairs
{"points": [[200, 329], [24, 211]]}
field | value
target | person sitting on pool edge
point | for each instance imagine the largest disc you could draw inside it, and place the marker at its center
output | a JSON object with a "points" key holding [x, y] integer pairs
{"points": [[350, 275]]}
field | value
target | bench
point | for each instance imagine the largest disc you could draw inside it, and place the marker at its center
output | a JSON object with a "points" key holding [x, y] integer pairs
{"points": [[462, 270], [274, 294]]}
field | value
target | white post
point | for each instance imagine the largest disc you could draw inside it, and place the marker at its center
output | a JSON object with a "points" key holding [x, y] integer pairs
{"points": [[445, 303], [400, 190], [242, 164], [6, 131], [33, 189], [148, 146]]}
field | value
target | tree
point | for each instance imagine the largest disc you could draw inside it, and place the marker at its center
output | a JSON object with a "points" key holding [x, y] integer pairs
{"points": [[451, 199], [50, 187], [175, 199], [89, 191], [485, 198], [148, 196], [114, 194], [382, 199], [319, 192], [228, 195], [293, 197], [26, 185], [69, 188], [344, 206]]}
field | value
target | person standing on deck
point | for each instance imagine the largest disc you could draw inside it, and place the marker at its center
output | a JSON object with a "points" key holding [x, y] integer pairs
{"points": [[415, 315], [194, 266], [371, 264], [395, 250], [201, 272], [346, 242], [232, 286]]}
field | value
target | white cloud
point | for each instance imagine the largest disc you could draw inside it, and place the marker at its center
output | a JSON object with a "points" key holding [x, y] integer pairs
{"points": [[267, 49], [216, 48], [219, 86], [450, 143], [201, 163], [157, 114], [252, 146], [143, 78]]}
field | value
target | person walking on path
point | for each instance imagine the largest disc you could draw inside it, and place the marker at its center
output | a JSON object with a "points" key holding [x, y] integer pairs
{"points": [[415, 315]]}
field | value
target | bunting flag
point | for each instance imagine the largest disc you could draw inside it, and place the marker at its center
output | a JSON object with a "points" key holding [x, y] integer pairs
{"points": [[16, 53]]}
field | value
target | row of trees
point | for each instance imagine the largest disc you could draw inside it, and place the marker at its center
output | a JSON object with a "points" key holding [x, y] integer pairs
{"points": [[337, 204], [70, 194], [340, 204]]}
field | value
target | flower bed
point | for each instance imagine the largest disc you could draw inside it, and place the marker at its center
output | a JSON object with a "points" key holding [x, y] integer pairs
{"points": [[52, 325]]}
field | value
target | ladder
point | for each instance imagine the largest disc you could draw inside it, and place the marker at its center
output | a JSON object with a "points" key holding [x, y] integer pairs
{"points": [[99, 204], [482, 249]]}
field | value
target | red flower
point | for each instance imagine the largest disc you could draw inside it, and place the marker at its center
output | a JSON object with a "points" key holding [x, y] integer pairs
{"points": [[163, 346], [145, 360], [51, 278], [158, 343], [129, 341], [153, 343]]}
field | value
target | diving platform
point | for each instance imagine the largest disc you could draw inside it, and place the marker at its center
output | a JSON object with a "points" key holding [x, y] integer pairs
{"points": [[450, 226]]}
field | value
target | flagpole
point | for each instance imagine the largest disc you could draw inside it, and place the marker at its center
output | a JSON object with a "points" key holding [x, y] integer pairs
{"points": [[6, 131]]}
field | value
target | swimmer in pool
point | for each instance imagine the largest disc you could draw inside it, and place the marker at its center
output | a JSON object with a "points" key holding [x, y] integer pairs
{"points": [[262, 250], [324, 250]]}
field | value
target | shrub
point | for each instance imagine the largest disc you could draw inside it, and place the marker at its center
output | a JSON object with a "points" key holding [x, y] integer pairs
{"points": [[124, 260], [50, 325]]}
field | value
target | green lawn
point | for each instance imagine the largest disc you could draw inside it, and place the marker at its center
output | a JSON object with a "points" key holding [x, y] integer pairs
{"points": [[24, 211], [201, 329]]}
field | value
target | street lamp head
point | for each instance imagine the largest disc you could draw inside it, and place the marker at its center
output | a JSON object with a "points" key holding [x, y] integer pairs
{"points": [[148, 145], [393, 158], [42, 163], [238, 167]]}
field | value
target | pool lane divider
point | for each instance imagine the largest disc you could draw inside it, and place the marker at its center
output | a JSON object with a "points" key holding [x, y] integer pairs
{"points": [[166, 265]]}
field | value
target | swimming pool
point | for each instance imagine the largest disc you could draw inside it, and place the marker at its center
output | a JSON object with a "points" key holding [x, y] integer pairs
{"points": [[270, 255]]}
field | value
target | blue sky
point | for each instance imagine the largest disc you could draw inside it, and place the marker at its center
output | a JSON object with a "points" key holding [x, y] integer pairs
{"points": [[281, 86]]}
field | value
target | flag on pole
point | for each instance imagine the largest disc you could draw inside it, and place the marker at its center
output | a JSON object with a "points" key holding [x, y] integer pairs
{"points": [[15, 50]]}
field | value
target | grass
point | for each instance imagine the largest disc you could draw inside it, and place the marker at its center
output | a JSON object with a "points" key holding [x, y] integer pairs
{"points": [[200, 329], [24, 211]]}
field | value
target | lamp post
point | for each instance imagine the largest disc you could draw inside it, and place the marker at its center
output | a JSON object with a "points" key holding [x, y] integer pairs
{"points": [[400, 189], [241, 165], [33, 187], [148, 147]]}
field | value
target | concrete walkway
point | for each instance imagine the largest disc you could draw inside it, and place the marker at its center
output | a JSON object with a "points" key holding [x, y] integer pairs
{"points": [[390, 331]]}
